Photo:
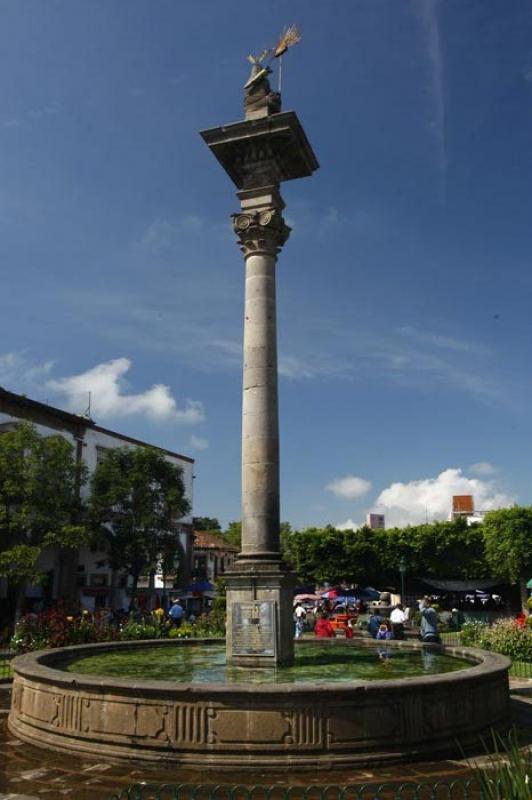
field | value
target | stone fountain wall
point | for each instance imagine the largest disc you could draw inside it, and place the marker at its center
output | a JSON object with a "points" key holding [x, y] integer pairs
{"points": [[255, 726]]}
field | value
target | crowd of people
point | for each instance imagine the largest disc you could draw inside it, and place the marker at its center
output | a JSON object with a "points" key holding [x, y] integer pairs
{"points": [[324, 622]]}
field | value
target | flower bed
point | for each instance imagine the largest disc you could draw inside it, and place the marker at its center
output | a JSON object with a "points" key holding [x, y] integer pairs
{"points": [[55, 629]]}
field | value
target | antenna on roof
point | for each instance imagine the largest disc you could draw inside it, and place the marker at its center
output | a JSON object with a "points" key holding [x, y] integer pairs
{"points": [[87, 412]]}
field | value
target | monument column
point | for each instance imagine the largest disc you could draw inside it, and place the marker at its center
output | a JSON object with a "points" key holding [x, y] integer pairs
{"points": [[262, 232], [258, 153]]}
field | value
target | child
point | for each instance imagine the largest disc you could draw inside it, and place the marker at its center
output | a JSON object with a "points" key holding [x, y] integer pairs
{"points": [[383, 632], [349, 629]]}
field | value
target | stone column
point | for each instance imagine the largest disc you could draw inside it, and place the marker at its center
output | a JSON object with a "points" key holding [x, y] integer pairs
{"points": [[262, 232], [259, 586], [258, 154]]}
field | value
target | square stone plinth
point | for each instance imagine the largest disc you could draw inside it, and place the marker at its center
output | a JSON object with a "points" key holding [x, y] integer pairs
{"points": [[260, 629], [263, 151]]}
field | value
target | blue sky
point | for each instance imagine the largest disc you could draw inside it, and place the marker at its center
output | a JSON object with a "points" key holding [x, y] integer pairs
{"points": [[404, 291]]}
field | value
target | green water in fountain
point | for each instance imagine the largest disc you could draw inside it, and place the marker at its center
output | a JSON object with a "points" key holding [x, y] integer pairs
{"points": [[314, 663]]}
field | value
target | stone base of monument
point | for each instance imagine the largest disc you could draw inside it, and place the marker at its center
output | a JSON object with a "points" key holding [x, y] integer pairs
{"points": [[260, 628], [255, 726]]}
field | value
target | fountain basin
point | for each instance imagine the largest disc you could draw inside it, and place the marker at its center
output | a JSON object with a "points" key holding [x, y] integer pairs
{"points": [[223, 725]]}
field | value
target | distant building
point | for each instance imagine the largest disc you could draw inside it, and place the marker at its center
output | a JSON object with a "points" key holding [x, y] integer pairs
{"points": [[464, 507], [212, 555], [84, 576], [375, 522]]}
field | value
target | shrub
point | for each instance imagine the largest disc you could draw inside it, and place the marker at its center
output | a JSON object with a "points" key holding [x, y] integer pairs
{"points": [[140, 630], [185, 631], [472, 632], [508, 638]]}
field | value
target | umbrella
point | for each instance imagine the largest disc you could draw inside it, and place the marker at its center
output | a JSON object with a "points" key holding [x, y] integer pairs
{"points": [[300, 597], [200, 586], [369, 593], [346, 598], [332, 594]]}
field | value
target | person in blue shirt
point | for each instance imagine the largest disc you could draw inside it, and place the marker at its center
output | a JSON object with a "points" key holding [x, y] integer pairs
{"points": [[176, 613], [374, 623], [429, 622]]}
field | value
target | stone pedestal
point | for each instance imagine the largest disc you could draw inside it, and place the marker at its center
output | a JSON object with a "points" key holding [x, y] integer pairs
{"points": [[260, 630], [258, 153]]}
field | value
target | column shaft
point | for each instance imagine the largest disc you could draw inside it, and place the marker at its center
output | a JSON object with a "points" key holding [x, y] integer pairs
{"points": [[260, 425]]}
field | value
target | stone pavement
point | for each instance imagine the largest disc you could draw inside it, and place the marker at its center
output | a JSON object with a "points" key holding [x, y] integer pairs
{"points": [[28, 773]]}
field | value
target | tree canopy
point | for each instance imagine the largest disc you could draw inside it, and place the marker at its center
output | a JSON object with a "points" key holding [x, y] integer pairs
{"points": [[372, 557], [137, 500], [39, 500], [206, 524], [508, 537]]}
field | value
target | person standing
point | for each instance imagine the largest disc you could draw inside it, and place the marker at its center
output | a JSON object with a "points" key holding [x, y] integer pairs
{"points": [[323, 628], [176, 613], [429, 622], [398, 619], [300, 616]]}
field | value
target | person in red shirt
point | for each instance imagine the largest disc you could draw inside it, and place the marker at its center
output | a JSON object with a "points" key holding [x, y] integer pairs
{"points": [[349, 629], [323, 628]]}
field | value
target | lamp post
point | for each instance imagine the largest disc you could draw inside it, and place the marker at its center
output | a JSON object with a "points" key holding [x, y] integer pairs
{"points": [[402, 570]]}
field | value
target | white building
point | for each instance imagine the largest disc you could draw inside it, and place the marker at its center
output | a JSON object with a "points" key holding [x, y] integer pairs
{"points": [[84, 575], [376, 522]]}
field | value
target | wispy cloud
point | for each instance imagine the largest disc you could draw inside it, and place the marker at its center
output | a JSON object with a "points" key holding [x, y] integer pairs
{"points": [[441, 341], [429, 12], [50, 109], [164, 234], [349, 487], [20, 373], [483, 468], [199, 443], [109, 398]]}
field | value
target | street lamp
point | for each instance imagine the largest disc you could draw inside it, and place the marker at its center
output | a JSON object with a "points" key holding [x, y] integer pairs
{"points": [[402, 570]]}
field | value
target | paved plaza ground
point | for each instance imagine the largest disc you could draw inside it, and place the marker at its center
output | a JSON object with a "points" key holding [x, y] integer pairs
{"points": [[28, 773]]}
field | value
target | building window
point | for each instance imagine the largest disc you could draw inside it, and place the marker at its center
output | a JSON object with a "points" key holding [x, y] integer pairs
{"points": [[100, 453], [98, 580]]}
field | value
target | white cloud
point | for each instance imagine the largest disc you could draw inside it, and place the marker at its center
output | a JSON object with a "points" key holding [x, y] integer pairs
{"points": [[198, 443], [19, 373], [413, 502], [349, 487], [105, 382], [348, 525], [483, 468]]}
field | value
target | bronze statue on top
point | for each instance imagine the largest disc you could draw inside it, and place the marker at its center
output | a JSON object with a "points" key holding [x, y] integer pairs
{"points": [[259, 99]]}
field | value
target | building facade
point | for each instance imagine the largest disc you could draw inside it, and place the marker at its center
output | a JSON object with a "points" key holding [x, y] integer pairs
{"points": [[212, 556], [84, 576]]}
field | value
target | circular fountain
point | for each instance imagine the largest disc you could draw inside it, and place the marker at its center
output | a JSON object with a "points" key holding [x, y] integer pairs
{"points": [[334, 720]]}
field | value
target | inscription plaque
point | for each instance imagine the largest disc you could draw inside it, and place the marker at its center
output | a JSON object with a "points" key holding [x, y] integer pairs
{"points": [[254, 628]]}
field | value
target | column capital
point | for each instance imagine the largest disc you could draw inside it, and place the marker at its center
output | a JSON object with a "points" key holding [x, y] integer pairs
{"points": [[260, 232]]}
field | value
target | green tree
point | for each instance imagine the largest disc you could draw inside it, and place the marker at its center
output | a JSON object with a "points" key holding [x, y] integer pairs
{"points": [[206, 524], [233, 534], [136, 502], [39, 503], [508, 536]]}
